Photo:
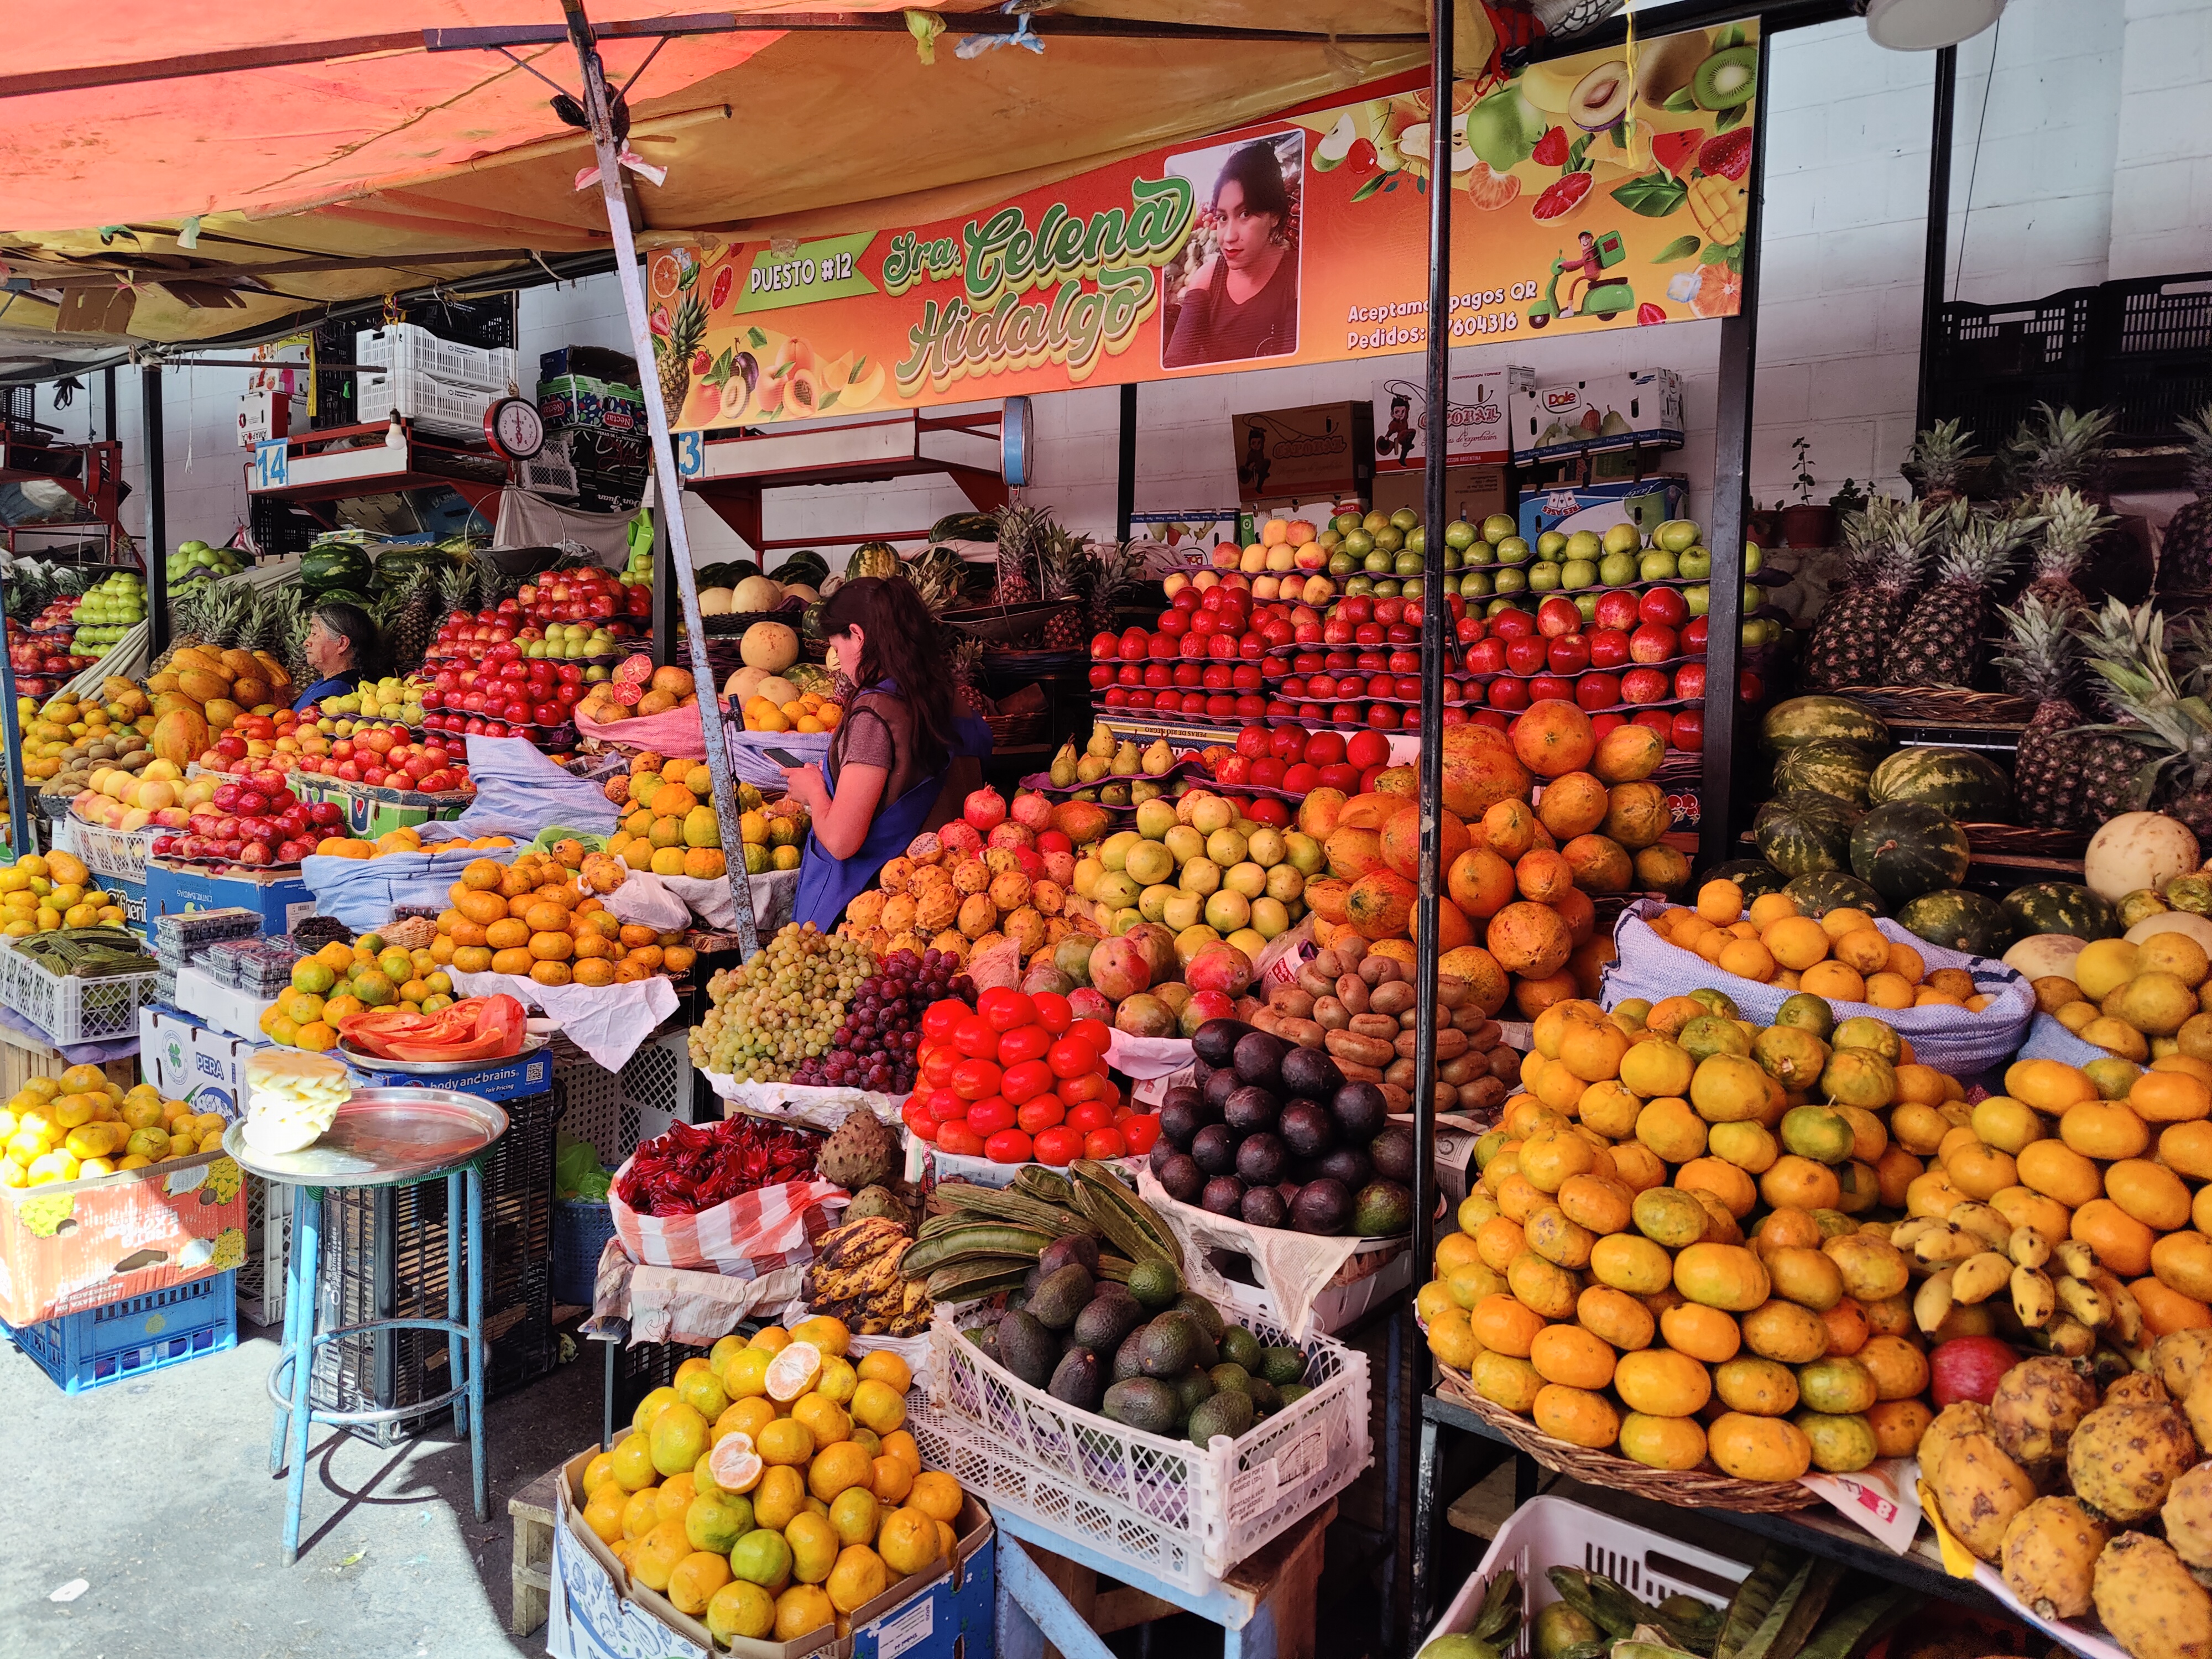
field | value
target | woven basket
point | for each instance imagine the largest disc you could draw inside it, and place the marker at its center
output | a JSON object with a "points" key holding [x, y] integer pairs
{"points": [[1008, 624], [1008, 730], [1943, 705], [1686, 1488]]}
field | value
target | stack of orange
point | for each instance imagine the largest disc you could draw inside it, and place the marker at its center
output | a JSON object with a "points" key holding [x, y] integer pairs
{"points": [[403, 840], [1841, 955], [530, 917]]}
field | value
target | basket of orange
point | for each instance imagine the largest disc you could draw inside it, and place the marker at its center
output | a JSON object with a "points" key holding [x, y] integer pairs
{"points": [[532, 919], [1967, 1013]]}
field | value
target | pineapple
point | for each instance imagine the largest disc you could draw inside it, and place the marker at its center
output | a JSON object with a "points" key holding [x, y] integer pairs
{"points": [[936, 576], [457, 589], [967, 677], [1020, 528], [1066, 569], [2185, 560], [2068, 776], [1943, 641], [414, 621], [1891, 538], [671, 352], [1112, 573], [1937, 457], [2127, 649], [2057, 449], [2071, 524]]}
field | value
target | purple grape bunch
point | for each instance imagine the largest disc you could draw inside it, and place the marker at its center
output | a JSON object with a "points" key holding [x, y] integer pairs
{"points": [[875, 1048]]}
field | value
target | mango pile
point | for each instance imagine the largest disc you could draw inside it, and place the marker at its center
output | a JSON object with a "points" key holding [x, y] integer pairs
{"points": [[772, 1490]]}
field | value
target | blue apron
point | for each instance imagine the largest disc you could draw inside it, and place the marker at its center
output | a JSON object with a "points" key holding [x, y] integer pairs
{"points": [[827, 884], [337, 686]]}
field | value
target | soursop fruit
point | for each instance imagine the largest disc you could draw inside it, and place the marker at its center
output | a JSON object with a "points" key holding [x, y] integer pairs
{"points": [[878, 1201], [861, 1154]]}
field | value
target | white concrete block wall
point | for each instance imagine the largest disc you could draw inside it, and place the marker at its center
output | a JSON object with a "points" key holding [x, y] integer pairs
{"points": [[2083, 149]]}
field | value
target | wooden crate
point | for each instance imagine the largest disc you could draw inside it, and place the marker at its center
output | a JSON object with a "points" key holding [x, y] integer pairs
{"points": [[531, 1511], [22, 1058]]}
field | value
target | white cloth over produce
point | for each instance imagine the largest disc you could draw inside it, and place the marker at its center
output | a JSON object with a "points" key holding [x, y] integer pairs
{"points": [[1295, 1267], [684, 1304], [610, 1022], [807, 1105]]}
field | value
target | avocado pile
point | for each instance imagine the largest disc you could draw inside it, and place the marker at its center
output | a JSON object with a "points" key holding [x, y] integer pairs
{"points": [[1143, 1354], [1273, 1133]]}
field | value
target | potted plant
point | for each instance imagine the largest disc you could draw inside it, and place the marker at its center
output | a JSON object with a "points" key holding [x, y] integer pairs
{"points": [[1805, 522]]}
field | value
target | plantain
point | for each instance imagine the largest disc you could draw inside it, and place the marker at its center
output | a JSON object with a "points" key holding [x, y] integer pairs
{"points": [[2074, 1258], [2033, 1297], [2083, 1301], [1986, 1224], [2028, 1247], [1931, 1303], [1980, 1277]]}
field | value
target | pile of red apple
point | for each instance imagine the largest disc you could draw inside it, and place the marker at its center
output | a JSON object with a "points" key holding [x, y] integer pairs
{"points": [[1297, 761], [502, 691], [254, 821], [39, 667], [585, 593], [384, 760]]}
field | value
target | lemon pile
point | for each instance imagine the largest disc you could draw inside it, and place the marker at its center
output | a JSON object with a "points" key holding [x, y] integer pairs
{"points": [[772, 1489], [79, 1125], [42, 895]]}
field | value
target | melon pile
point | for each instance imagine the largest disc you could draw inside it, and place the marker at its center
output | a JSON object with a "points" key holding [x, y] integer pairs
{"points": [[638, 688], [202, 690]]}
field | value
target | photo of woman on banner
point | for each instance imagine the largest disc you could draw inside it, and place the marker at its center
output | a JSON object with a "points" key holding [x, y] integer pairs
{"points": [[1242, 300]]}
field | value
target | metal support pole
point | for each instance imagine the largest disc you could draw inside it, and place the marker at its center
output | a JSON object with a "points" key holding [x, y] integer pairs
{"points": [[1124, 489], [668, 492], [1939, 228], [20, 837], [1731, 483], [107, 377], [157, 510], [667, 612], [1436, 634]]}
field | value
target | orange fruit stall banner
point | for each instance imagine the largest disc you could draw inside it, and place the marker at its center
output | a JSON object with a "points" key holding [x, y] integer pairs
{"points": [[1601, 191]]}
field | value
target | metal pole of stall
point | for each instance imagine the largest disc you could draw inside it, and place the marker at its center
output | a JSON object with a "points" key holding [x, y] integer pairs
{"points": [[1731, 482], [1125, 482], [1939, 228], [21, 836], [668, 491], [667, 601], [157, 511]]}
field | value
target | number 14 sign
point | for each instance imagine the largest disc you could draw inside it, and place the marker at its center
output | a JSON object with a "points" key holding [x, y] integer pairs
{"points": [[272, 465]]}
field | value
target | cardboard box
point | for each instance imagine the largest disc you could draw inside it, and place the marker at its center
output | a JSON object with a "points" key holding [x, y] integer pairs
{"points": [[506, 1080], [267, 413], [279, 897], [1478, 426], [599, 1611], [132, 896], [1327, 449], [579, 400], [222, 1008], [599, 363], [84, 1244], [1472, 493], [195, 1063], [1612, 411], [1645, 503], [373, 811]]}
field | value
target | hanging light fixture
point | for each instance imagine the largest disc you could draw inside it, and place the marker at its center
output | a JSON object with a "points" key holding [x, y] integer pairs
{"points": [[1926, 25]]}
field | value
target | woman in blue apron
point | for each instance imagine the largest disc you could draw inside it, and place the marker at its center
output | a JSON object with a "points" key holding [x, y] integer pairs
{"points": [[340, 649], [903, 759]]}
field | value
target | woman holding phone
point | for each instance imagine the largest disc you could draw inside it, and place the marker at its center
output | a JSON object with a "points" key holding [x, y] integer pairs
{"points": [[901, 760]]}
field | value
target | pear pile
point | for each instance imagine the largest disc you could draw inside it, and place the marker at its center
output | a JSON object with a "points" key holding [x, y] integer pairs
{"points": [[1114, 772]]}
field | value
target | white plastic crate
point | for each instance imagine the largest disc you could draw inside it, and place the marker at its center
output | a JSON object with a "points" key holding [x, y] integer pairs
{"points": [[434, 405], [68, 1009], [658, 1076], [1555, 1532], [119, 855], [408, 349], [268, 1246], [1180, 1512]]}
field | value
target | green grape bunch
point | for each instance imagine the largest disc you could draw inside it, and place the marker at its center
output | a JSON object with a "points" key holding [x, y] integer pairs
{"points": [[781, 1007]]}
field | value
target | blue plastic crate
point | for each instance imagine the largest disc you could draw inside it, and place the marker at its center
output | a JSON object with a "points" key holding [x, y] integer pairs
{"points": [[86, 1350], [580, 1232]]}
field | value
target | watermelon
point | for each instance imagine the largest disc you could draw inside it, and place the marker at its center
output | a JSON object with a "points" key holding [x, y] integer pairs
{"points": [[1755, 875], [1804, 830], [1957, 782], [2061, 907], [335, 566], [1903, 849], [1960, 920], [1824, 891], [804, 560], [810, 623], [1833, 766], [965, 527], [872, 559], [1802, 720]]}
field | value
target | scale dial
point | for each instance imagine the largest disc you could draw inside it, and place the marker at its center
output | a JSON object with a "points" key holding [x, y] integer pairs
{"points": [[514, 427]]}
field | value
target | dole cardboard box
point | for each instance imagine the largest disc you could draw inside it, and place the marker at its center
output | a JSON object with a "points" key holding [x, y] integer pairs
{"points": [[1647, 503], [1609, 411], [1477, 426], [78, 1244], [1326, 449], [600, 1611], [279, 897]]}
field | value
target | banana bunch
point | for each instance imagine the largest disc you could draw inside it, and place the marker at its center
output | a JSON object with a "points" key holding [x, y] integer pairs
{"points": [[2064, 1298], [855, 1276]]}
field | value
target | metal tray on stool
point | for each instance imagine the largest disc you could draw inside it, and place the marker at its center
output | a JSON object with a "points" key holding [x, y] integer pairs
{"points": [[382, 1137]]}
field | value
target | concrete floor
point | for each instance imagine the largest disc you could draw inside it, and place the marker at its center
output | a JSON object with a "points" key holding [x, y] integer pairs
{"points": [[157, 1492]]}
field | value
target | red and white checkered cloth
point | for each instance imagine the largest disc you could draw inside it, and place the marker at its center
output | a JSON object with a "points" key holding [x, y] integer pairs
{"points": [[751, 1236]]}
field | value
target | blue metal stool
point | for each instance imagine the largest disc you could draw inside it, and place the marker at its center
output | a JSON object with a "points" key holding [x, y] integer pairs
{"points": [[382, 1138]]}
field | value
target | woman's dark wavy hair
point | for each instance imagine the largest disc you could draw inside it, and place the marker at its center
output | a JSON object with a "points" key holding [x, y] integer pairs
{"points": [[901, 646], [1255, 167]]}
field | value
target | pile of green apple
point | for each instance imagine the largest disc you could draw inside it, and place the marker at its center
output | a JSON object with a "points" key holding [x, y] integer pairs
{"points": [[111, 608]]}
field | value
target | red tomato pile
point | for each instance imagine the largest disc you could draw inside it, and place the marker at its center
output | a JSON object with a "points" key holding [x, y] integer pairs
{"points": [[1019, 1080]]}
